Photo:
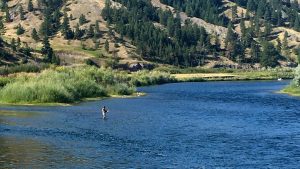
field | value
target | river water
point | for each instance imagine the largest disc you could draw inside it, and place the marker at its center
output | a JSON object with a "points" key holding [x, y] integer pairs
{"points": [[186, 125]]}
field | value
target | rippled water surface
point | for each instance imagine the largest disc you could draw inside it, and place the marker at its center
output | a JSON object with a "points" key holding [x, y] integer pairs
{"points": [[187, 125]]}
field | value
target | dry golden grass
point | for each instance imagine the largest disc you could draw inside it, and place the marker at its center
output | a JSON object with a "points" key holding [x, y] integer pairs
{"points": [[203, 75]]}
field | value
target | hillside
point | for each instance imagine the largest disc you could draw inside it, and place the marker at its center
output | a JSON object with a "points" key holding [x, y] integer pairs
{"points": [[122, 33]]}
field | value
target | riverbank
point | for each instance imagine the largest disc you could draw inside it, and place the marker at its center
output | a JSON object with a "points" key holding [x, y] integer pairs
{"points": [[294, 88], [291, 90], [70, 85], [65, 86], [235, 76]]}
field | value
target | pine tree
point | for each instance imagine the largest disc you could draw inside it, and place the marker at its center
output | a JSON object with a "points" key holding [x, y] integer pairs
{"points": [[78, 33], [267, 15], [66, 30], [260, 9], [295, 5], [234, 13], [97, 45], [20, 30], [285, 47], [251, 5], [21, 13], [13, 44], [82, 19], [97, 29], [106, 12], [30, 7], [254, 52], [7, 15], [4, 5], [279, 45], [269, 55], [47, 52], [1, 25], [18, 42], [297, 52], [231, 42], [34, 35], [106, 46], [297, 23], [46, 27], [243, 28], [91, 32], [268, 29], [55, 20]]}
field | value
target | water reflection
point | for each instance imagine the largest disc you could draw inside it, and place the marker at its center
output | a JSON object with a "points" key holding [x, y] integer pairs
{"points": [[26, 153], [6, 113]]}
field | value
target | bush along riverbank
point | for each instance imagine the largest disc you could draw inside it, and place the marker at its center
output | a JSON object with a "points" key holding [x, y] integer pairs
{"points": [[294, 87], [71, 85], [202, 75]]}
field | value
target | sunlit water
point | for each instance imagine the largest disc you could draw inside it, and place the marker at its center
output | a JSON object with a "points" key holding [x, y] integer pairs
{"points": [[187, 125]]}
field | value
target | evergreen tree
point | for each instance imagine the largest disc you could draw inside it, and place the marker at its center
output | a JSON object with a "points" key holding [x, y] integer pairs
{"points": [[279, 45], [243, 28], [251, 5], [46, 27], [82, 19], [268, 29], [255, 52], [297, 23], [91, 32], [7, 15], [106, 46], [20, 30], [21, 13], [13, 44], [30, 7], [4, 5], [295, 5], [234, 13], [55, 21], [285, 48], [78, 33], [1, 25], [260, 9], [231, 42], [18, 42], [66, 30], [97, 30], [269, 55], [97, 45], [106, 12], [297, 52], [47, 52], [34, 35]]}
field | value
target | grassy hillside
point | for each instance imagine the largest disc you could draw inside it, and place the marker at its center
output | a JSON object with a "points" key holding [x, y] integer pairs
{"points": [[230, 33]]}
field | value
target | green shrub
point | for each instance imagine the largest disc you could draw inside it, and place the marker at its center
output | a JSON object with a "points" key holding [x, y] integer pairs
{"points": [[28, 68], [144, 78], [67, 85]]}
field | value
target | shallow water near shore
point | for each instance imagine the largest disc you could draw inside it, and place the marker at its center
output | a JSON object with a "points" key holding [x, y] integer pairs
{"points": [[184, 125]]}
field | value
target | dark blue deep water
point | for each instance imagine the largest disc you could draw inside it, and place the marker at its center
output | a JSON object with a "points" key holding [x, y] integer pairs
{"points": [[186, 125]]}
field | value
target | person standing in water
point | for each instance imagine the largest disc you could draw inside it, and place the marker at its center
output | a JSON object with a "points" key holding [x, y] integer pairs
{"points": [[104, 112]]}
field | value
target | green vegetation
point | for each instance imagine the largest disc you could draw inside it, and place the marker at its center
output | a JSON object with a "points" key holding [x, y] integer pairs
{"points": [[27, 68], [208, 10], [294, 87], [69, 85]]}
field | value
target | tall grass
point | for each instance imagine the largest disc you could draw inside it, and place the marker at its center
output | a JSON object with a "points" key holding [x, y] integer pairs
{"points": [[28, 68], [68, 85], [146, 78], [294, 87]]}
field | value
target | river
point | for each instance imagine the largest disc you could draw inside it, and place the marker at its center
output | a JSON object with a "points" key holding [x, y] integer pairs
{"points": [[185, 125]]}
